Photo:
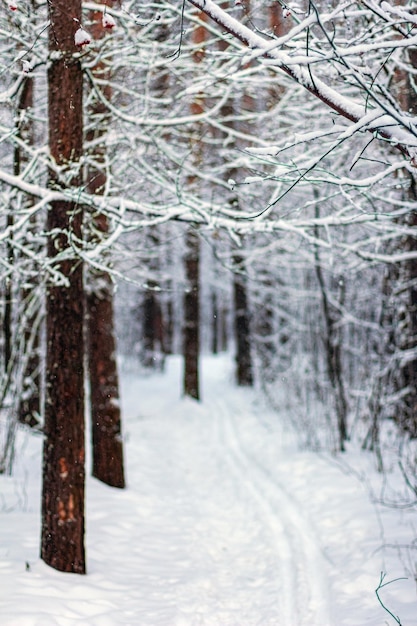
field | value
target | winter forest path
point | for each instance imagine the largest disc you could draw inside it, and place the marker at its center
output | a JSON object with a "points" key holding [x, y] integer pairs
{"points": [[225, 522]]}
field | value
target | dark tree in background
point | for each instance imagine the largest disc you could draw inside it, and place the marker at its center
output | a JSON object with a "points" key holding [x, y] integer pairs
{"points": [[62, 544], [191, 329], [244, 371], [29, 402], [191, 325]]}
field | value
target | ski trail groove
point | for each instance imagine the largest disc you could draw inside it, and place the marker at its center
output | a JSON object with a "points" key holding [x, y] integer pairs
{"points": [[303, 582]]}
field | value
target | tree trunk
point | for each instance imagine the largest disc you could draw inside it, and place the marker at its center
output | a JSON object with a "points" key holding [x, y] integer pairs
{"points": [[153, 331], [108, 465], [191, 327], [62, 545], [214, 323], [333, 350], [107, 442], [244, 371], [29, 403], [191, 330]]}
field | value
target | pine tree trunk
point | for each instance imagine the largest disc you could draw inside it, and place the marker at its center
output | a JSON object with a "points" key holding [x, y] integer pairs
{"points": [[153, 340], [214, 323], [191, 327], [244, 372], [191, 330], [62, 545], [107, 442], [108, 464], [153, 353]]}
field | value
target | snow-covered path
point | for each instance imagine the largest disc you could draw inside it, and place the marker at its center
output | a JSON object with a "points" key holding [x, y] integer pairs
{"points": [[225, 523]]}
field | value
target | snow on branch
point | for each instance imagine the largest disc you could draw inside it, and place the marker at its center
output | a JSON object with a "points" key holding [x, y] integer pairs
{"points": [[397, 128]]}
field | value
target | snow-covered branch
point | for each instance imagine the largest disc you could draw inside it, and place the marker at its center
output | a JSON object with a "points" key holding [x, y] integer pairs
{"points": [[399, 129]]}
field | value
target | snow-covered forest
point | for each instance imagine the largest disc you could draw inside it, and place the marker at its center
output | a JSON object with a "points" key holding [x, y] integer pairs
{"points": [[207, 214]]}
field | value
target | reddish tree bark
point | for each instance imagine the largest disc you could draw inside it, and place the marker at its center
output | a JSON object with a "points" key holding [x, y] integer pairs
{"points": [[108, 465], [107, 442], [62, 545], [191, 328]]}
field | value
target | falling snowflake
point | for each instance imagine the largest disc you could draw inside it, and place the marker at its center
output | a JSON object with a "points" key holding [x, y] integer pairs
{"points": [[82, 38]]}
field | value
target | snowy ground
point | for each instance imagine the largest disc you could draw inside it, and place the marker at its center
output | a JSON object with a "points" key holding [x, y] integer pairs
{"points": [[225, 522]]}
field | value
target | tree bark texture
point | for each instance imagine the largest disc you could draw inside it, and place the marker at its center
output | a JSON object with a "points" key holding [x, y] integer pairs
{"points": [[107, 441], [108, 464], [244, 371], [191, 326], [405, 313], [191, 329], [62, 545], [153, 331]]}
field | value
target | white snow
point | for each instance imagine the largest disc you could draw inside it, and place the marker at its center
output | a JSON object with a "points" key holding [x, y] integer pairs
{"points": [[108, 21], [81, 37], [226, 521]]}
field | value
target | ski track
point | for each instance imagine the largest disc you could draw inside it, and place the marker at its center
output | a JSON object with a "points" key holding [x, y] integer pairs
{"points": [[217, 528], [303, 586]]}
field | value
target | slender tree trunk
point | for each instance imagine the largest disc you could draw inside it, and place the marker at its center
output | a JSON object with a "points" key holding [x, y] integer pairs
{"points": [[23, 132], [29, 403], [108, 465], [214, 323], [153, 355], [107, 441], [153, 331], [409, 364], [191, 327], [266, 347], [404, 282], [244, 371], [241, 322], [191, 330], [333, 351], [62, 545], [152, 321]]}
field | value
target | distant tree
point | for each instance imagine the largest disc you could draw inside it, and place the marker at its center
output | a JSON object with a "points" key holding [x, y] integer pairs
{"points": [[29, 403], [244, 369], [191, 323]]}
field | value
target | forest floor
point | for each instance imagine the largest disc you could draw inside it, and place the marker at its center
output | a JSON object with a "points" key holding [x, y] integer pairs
{"points": [[226, 521]]}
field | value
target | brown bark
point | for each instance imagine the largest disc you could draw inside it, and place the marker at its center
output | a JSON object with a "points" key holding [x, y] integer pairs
{"points": [[104, 389], [343, 107], [405, 376], [108, 465], [191, 330], [244, 371], [62, 545], [191, 327], [153, 331]]}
